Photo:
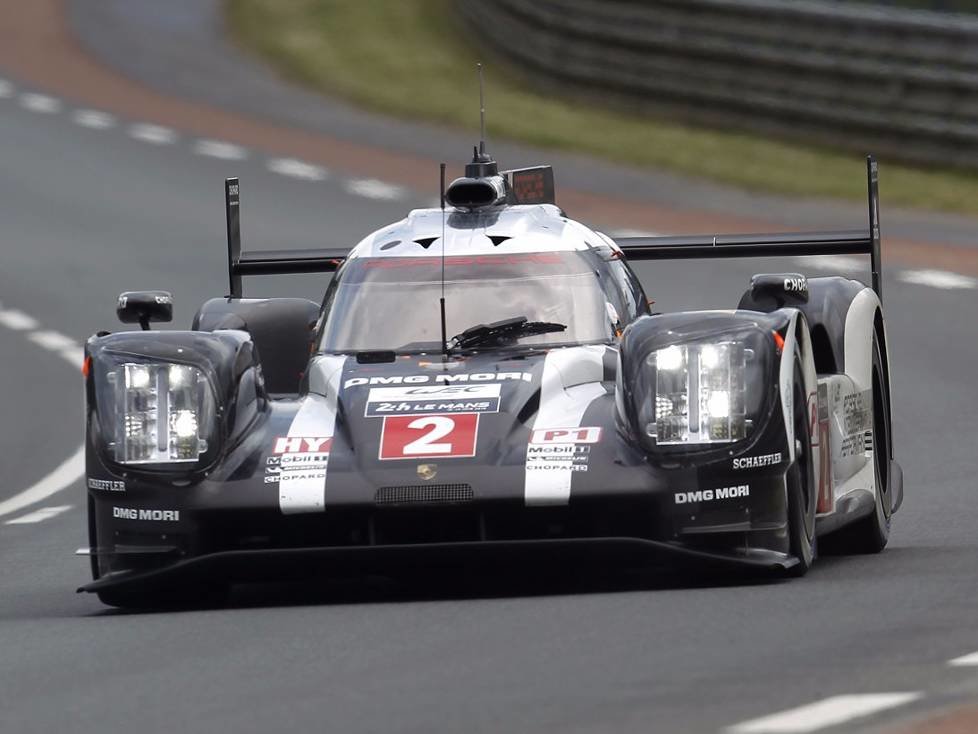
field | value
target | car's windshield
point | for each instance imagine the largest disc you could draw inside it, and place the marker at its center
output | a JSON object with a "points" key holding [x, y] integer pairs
{"points": [[392, 303]]}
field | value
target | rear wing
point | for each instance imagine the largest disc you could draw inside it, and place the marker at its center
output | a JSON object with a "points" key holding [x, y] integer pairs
{"points": [[856, 242], [268, 262]]}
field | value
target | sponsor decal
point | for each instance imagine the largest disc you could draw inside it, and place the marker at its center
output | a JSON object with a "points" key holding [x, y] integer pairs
{"points": [[298, 445], [429, 436], [709, 495], [432, 400], [590, 434], [755, 462], [278, 476], [107, 485], [551, 457], [131, 513], [439, 378], [796, 285]]}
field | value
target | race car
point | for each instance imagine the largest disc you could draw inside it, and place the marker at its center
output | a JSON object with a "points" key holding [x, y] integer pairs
{"points": [[483, 384]]}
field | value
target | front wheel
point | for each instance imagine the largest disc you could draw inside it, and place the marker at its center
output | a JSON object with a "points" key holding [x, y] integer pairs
{"points": [[800, 486]]}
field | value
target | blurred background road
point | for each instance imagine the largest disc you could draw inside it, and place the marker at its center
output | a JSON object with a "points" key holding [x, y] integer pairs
{"points": [[119, 120]]}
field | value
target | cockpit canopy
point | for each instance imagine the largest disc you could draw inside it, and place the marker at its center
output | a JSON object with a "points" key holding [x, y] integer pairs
{"points": [[392, 303]]}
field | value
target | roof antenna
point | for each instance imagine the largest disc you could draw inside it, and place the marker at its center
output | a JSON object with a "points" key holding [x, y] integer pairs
{"points": [[482, 115], [482, 164], [444, 332]]}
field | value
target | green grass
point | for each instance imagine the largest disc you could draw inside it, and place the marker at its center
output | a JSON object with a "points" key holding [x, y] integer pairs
{"points": [[407, 58]]}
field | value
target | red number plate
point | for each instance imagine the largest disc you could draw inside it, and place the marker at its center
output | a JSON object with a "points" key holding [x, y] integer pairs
{"points": [[429, 436]]}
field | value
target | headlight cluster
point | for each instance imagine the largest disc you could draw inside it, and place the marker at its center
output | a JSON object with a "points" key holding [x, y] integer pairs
{"points": [[163, 413], [700, 393]]}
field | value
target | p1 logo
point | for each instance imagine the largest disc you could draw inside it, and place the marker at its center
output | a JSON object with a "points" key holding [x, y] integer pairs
{"points": [[591, 434], [429, 436]]}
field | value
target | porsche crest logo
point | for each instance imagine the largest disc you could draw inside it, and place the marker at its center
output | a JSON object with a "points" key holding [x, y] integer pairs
{"points": [[427, 471]]}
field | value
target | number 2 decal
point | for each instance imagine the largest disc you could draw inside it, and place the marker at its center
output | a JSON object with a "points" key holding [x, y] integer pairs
{"points": [[429, 436]]}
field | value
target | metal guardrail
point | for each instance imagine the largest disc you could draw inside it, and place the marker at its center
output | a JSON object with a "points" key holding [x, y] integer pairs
{"points": [[899, 82]]}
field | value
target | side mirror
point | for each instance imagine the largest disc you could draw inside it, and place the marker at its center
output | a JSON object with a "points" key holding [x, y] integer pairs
{"points": [[143, 307]]}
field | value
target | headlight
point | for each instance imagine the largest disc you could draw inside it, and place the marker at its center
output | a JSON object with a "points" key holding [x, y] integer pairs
{"points": [[163, 413], [700, 393]]}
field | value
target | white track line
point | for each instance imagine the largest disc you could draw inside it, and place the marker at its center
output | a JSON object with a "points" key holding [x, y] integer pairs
{"points": [[371, 188], [53, 340], [40, 103], [834, 262], [17, 320], [220, 149], [297, 169], [39, 515], [827, 712], [937, 279], [6, 88], [93, 119], [154, 134], [965, 660], [73, 468], [69, 472]]}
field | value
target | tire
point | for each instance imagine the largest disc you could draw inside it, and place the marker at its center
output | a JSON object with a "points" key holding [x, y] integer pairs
{"points": [[871, 533], [196, 596], [800, 486]]}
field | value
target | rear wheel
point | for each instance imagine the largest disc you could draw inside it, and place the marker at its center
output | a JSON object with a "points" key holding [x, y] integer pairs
{"points": [[800, 485], [871, 533]]}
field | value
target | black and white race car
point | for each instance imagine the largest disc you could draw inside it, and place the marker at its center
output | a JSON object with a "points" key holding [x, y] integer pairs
{"points": [[484, 383]]}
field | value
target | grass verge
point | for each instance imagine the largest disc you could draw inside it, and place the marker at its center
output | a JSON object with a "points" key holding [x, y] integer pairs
{"points": [[407, 58]]}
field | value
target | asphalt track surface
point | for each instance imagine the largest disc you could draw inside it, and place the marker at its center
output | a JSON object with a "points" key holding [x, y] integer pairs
{"points": [[87, 213]]}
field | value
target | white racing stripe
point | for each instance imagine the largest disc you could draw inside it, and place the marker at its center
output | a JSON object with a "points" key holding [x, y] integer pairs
{"points": [[943, 279], [821, 714], [39, 515], [69, 472], [304, 489], [965, 660], [571, 381]]}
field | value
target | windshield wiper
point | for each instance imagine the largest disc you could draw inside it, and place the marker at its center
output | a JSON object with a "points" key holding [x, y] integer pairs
{"points": [[513, 328]]}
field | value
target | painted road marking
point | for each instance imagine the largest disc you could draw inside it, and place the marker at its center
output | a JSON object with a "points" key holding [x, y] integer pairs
{"points": [[965, 660], [296, 169], [6, 88], [220, 149], [69, 472], [73, 468], [17, 320], [372, 188], [834, 262], [827, 712], [39, 515], [40, 103], [155, 134], [93, 119], [53, 340], [937, 279]]}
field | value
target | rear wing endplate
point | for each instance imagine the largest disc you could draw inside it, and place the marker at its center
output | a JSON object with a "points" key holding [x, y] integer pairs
{"points": [[268, 262], [856, 242]]}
